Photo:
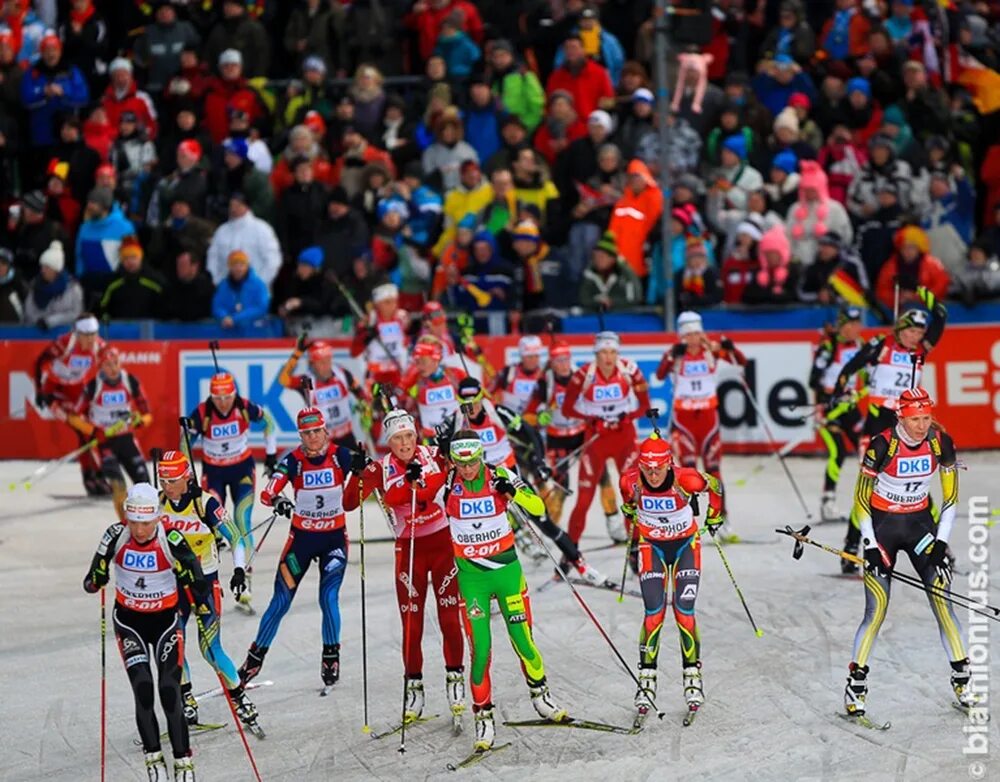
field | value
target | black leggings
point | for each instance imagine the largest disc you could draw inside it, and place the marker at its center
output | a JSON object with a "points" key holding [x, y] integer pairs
{"points": [[140, 634], [122, 453]]}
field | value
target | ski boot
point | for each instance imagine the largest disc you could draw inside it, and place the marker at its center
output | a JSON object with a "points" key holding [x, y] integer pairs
{"points": [[828, 510], [647, 690], [246, 711], [156, 767], [414, 704], [184, 769], [253, 663], [856, 691], [454, 685], [330, 666], [486, 731], [693, 692], [546, 707], [616, 527], [244, 601], [190, 704], [964, 696], [528, 546], [589, 573]]}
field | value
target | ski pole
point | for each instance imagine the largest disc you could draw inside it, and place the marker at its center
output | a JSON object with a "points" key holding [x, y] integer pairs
{"points": [[409, 614], [50, 466], [583, 603], [802, 536], [725, 561], [621, 585], [774, 444], [253, 554], [104, 682], [207, 647], [366, 728], [574, 454], [380, 500], [213, 345]]}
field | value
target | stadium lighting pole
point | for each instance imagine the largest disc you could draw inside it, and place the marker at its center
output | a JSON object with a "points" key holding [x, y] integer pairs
{"points": [[662, 42]]}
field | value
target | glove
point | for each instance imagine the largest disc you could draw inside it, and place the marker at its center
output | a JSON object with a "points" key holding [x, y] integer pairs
{"points": [[939, 560], [633, 556], [359, 460], [544, 418], [414, 470], [238, 583], [542, 470], [928, 298], [875, 562], [629, 509], [502, 485], [270, 462], [714, 523], [97, 577], [42, 400], [726, 344], [283, 507], [442, 434], [678, 350], [300, 343]]}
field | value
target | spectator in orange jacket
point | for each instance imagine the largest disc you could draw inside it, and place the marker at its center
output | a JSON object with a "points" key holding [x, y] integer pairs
{"points": [[914, 266], [635, 214]]}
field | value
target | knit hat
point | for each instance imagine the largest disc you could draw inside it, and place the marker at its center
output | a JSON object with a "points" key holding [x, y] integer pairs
{"points": [[608, 244], [312, 256], [120, 64], [787, 118], [642, 95], [831, 238], [338, 196], [130, 247], [230, 57], [237, 256], [36, 201], [602, 118], [314, 63], [102, 196], [142, 504], [526, 231], [468, 222], [736, 144], [682, 215], [689, 323], [190, 147], [315, 122], [786, 161], [859, 84], [750, 228], [236, 146], [799, 100], [914, 235], [385, 292], [53, 257]]}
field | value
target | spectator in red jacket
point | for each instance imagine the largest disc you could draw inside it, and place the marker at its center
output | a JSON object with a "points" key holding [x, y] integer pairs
{"points": [[426, 17], [561, 126], [123, 95], [229, 91], [584, 79], [913, 266], [635, 215]]}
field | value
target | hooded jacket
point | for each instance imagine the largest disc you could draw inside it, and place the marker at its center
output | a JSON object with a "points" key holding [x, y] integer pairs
{"points": [[42, 110], [634, 216], [807, 221], [98, 241], [927, 271], [244, 301], [480, 278], [774, 284]]}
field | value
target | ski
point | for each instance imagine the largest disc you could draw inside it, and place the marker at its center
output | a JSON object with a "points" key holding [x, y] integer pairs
{"points": [[255, 729], [610, 586], [198, 727], [253, 685], [864, 721], [692, 712], [572, 722], [409, 723], [965, 709], [476, 756], [738, 540]]}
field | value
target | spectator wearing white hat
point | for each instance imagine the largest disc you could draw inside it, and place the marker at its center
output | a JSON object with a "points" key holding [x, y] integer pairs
{"points": [[241, 32], [247, 232], [122, 95], [55, 298]]}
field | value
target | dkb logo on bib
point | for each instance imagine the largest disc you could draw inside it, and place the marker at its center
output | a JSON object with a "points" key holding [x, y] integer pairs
{"points": [[327, 394], [607, 393], [109, 398], [695, 368], [221, 431], [315, 479], [659, 504], [915, 466], [487, 436], [136, 560], [436, 396], [477, 508]]}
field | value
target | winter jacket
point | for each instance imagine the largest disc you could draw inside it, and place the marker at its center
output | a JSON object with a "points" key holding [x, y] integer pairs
{"points": [[807, 221], [774, 95], [53, 304], [634, 216], [323, 32], [427, 23], [31, 240], [244, 301], [621, 288], [132, 99], [743, 180], [300, 215], [521, 94], [695, 290], [445, 161], [189, 301], [683, 148], [42, 110], [87, 48], [482, 129], [976, 283], [315, 293], [98, 241], [248, 36], [610, 54], [927, 272], [459, 202], [588, 86], [220, 96], [134, 296], [950, 223], [798, 41], [492, 281], [159, 48], [875, 238], [863, 190], [816, 277], [251, 235], [460, 54], [253, 183], [342, 241]]}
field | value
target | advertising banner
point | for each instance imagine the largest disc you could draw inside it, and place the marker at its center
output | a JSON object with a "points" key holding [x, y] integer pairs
{"points": [[963, 376]]}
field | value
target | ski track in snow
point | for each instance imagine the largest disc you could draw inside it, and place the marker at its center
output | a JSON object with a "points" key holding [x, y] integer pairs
{"points": [[769, 713]]}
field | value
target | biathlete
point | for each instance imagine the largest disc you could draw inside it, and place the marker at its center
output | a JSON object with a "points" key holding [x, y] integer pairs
{"points": [[694, 365], [839, 423], [608, 394], [198, 516], [431, 385], [660, 500], [327, 386], [152, 567], [892, 504], [223, 421], [411, 469], [478, 499], [316, 471]]}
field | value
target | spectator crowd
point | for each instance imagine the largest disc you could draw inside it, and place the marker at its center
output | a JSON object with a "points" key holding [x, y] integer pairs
{"points": [[188, 160]]}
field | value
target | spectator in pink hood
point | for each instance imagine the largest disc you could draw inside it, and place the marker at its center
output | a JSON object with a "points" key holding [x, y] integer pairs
{"points": [[814, 214], [777, 277]]}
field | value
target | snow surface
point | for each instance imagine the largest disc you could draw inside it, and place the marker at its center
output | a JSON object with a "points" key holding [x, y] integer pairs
{"points": [[771, 701]]}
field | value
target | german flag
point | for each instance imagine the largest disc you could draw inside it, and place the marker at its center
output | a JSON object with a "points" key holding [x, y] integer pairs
{"points": [[982, 83], [848, 288]]}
